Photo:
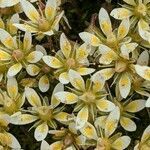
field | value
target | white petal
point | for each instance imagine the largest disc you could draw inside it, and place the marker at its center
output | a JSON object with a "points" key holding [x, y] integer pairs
{"points": [[76, 80], [121, 143], [41, 131], [22, 119], [135, 106], [90, 38], [89, 131], [14, 142], [52, 62], [32, 70], [7, 39], [105, 105], [66, 97], [12, 87], [105, 22], [4, 56], [82, 117], [27, 41], [123, 28], [44, 145], [85, 71], [44, 83], [146, 134], [32, 97], [112, 121], [65, 45], [34, 57], [124, 85], [30, 11], [50, 9], [127, 124], [143, 71], [64, 78], [148, 102], [13, 70], [121, 13], [143, 58], [54, 102]]}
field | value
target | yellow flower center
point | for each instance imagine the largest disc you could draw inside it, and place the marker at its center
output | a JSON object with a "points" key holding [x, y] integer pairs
{"points": [[120, 66], [43, 25], [18, 55], [70, 63], [141, 10], [103, 144], [68, 140], [89, 97], [45, 113]]}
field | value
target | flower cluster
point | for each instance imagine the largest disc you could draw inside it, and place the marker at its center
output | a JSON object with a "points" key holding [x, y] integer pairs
{"points": [[74, 95]]}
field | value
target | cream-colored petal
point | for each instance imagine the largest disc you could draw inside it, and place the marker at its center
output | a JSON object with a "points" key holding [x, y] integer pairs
{"points": [[4, 56], [22, 119], [26, 27], [65, 45], [146, 134], [33, 70], [82, 52], [44, 145], [62, 117], [90, 38], [13, 70], [8, 3], [64, 78], [41, 131], [148, 102], [34, 57], [76, 80], [56, 145], [52, 62], [14, 144], [27, 41], [121, 143], [44, 83], [143, 71], [123, 29], [127, 124], [89, 131], [112, 121], [12, 87], [30, 11], [66, 97], [121, 13], [105, 105], [7, 39], [105, 22], [50, 9], [32, 97], [135, 106], [55, 102], [85, 71], [124, 85], [143, 58], [82, 117]]}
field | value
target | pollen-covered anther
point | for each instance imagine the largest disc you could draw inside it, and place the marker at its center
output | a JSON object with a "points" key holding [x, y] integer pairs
{"points": [[120, 66], [18, 55], [43, 24]]}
